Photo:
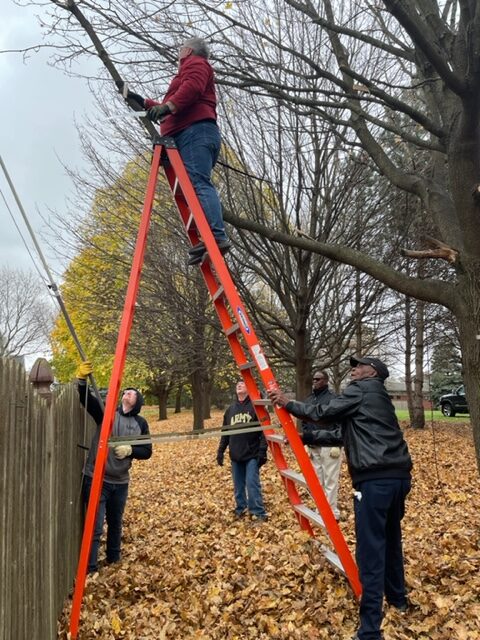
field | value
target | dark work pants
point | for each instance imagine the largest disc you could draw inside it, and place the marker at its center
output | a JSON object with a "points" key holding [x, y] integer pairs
{"points": [[111, 507], [378, 515]]}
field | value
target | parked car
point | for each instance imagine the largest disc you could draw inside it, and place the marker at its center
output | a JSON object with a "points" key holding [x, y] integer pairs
{"points": [[455, 402]]}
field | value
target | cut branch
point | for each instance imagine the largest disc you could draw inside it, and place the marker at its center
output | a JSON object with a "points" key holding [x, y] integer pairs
{"points": [[438, 251]]}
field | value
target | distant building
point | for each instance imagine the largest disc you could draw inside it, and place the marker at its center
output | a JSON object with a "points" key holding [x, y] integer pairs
{"points": [[397, 391]]}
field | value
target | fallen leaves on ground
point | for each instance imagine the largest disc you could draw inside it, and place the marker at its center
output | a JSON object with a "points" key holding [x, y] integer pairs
{"points": [[191, 571]]}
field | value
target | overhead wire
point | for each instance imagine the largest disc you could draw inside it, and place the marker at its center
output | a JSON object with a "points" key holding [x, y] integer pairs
{"points": [[51, 282], [23, 238]]}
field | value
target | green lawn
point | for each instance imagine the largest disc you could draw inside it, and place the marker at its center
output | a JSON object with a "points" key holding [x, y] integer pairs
{"points": [[402, 414]]}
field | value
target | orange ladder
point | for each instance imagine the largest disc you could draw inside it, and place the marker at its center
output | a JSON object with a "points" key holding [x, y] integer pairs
{"points": [[248, 356]]}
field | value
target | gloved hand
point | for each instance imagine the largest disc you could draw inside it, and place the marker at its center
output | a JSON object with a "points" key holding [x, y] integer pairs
{"points": [[262, 459], [84, 370], [335, 452], [220, 459], [122, 451], [158, 112], [307, 437], [136, 98]]}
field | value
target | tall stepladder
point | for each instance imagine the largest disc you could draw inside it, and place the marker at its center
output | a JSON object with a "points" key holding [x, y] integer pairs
{"points": [[250, 360]]}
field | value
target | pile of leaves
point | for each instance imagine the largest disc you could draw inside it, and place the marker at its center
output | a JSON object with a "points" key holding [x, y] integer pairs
{"points": [[190, 570]]}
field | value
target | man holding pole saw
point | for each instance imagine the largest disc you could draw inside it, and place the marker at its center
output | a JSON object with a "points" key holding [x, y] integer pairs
{"points": [[127, 423]]}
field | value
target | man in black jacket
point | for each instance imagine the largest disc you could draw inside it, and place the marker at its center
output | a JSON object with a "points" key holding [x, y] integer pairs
{"points": [[380, 466], [114, 494], [248, 452], [327, 461]]}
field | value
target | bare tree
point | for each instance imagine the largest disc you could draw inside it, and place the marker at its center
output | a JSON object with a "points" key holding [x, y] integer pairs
{"points": [[25, 314]]}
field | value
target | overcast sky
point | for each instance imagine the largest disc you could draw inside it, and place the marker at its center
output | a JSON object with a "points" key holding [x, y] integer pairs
{"points": [[37, 132]]}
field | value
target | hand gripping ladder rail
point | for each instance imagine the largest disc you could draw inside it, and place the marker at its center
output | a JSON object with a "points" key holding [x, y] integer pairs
{"points": [[236, 325]]}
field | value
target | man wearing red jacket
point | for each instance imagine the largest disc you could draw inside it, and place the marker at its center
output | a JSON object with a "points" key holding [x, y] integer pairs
{"points": [[188, 114]]}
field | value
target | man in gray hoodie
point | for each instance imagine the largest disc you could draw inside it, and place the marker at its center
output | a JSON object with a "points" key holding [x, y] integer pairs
{"points": [[127, 422]]}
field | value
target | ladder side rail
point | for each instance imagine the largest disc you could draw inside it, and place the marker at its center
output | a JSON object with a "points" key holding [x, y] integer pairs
{"points": [[268, 379], [113, 391], [234, 342]]}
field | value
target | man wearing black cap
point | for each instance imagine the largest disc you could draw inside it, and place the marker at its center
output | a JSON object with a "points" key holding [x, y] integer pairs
{"points": [[380, 466]]}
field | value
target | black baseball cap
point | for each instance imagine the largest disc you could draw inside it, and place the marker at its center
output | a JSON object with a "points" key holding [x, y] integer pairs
{"points": [[377, 364]]}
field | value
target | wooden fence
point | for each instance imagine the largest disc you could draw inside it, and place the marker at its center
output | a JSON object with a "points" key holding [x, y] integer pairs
{"points": [[40, 506]]}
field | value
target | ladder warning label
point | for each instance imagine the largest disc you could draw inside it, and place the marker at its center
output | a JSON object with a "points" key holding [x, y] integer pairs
{"points": [[259, 357], [243, 319]]}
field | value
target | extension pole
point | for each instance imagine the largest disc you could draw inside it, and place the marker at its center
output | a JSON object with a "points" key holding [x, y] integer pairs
{"points": [[53, 286]]}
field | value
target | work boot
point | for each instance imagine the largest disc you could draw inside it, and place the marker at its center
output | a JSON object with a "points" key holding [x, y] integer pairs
{"points": [[198, 248], [224, 246], [257, 520], [401, 608], [198, 251]]}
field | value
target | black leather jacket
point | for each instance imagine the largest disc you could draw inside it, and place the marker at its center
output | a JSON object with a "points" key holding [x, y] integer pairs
{"points": [[369, 430], [324, 396]]}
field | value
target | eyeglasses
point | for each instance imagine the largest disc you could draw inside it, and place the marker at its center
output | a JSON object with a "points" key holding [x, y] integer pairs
{"points": [[318, 379]]}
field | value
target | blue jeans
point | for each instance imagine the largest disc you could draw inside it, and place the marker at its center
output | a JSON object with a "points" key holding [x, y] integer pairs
{"points": [[111, 506], [379, 554], [247, 488], [199, 146]]}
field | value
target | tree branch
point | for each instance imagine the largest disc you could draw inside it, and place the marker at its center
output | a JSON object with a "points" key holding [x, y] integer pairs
{"points": [[436, 291], [421, 36]]}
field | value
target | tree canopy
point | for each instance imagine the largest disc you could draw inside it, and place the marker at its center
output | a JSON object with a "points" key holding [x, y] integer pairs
{"points": [[397, 81]]}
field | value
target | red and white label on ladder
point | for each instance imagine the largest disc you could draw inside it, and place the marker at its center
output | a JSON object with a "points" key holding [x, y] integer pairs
{"points": [[250, 358]]}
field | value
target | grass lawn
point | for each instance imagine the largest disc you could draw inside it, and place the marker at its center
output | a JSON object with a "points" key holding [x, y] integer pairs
{"points": [[437, 416]]}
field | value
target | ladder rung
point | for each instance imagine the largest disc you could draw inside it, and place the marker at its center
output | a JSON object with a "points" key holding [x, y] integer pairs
{"points": [[275, 437], [332, 557], [262, 402], [233, 329], [313, 516], [176, 185], [218, 293], [247, 365], [293, 475], [190, 221]]}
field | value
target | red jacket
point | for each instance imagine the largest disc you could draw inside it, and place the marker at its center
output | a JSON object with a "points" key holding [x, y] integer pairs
{"points": [[192, 91]]}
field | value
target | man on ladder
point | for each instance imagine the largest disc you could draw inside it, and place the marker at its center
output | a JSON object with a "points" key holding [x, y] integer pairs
{"points": [[188, 114]]}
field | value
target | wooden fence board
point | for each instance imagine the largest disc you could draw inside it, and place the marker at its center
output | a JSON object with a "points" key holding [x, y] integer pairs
{"points": [[40, 506]]}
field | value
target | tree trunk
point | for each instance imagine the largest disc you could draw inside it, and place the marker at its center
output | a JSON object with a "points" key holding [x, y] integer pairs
{"points": [[303, 365], [178, 398], [198, 400], [358, 315], [408, 357], [418, 417], [162, 395], [207, 399], [469, 334]]}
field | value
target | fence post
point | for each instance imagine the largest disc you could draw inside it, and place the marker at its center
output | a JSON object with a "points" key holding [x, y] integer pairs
{"points": [[41, 377]]}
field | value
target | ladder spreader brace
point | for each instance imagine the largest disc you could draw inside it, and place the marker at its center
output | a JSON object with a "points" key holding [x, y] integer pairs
{"points": [[235, 324]]}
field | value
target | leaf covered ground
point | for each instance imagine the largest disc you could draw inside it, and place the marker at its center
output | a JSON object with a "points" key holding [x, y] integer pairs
{"points": [[191, 571]]}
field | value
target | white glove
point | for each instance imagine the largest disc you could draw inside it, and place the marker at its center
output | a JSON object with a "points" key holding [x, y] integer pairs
{"points": [[335, 452], [122, 451]]}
